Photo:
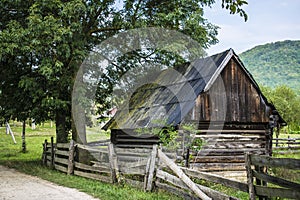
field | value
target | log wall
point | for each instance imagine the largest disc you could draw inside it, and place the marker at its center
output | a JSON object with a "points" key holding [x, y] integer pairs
{"points": [[224, 150]]}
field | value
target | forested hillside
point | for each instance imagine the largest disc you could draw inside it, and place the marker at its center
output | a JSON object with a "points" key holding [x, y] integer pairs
{"points": [[275, 64]]}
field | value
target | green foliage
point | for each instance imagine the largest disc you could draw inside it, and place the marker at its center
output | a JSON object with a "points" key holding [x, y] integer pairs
{"points": [[275, 64], [167, 134], [192, 143], [287, 103]]}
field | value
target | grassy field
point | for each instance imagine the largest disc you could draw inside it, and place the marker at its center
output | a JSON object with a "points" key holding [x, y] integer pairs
{"points": [[30, 163]]}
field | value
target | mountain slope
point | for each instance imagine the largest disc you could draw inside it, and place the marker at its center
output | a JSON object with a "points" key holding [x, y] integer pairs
{"points": [[275, 64]]}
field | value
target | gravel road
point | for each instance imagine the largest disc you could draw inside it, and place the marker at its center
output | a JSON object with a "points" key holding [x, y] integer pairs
{"points": [[18, 186]]}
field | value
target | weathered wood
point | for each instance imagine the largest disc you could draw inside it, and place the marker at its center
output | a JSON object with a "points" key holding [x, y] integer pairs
{"points": [[151, 168], [181, 175], [275, 180], [251, 190], [92, 176], [139, 163], [92, 149], [230, 136], [63, 161], [134, 145], [216, 179], [91, 168], [235, 145], [130, 158], [177, 182], [71, 157], [277, 192], [135, 151], [224, 152], [288, 163], [218, 166], [61, 168], [175, 191], [62, 153], [138, 170], [147, 173], [262, 131], [101, 164], [63, 145], [218, 159], [113, 163]]}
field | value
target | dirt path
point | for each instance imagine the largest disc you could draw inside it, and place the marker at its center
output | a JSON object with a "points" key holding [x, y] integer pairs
{"points": [[17, 186]]}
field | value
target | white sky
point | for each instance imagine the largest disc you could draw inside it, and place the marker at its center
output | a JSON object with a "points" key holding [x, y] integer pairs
{"points": [[268, 21]]}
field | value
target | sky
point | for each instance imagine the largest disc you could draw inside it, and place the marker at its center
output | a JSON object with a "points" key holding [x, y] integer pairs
{"points": [[268, 21]]}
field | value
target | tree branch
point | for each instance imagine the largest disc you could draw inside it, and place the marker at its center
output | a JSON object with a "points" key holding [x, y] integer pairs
{"points": [[104, 29]]}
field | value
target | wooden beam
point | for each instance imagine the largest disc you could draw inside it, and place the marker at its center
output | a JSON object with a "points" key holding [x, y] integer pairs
{"points": [[71, 158], [177, 182], [113, 163], [277, 181], [216, 179], [251, 190], [182, 175], [277, 192], [151, 168], [288, 163]]}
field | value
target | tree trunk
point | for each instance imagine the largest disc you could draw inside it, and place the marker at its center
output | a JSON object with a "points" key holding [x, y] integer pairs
{"points": [[23, 137], [79, 126], [61, 130], [78, 112]]}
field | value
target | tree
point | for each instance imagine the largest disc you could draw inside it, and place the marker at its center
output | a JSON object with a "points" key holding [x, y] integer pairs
{"points": [[287, 103], [56, 35]]}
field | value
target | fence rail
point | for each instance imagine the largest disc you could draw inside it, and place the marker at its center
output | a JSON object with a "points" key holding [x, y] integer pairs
{"points": [[154, 168], [286, 143], [285, 189]]}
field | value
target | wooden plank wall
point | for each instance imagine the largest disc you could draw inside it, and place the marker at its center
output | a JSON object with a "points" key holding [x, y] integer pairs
{"points": [[224, 150], [232, 93]]}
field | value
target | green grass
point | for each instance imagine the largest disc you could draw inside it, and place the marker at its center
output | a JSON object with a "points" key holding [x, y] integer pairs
{"points": [[30, 163]]}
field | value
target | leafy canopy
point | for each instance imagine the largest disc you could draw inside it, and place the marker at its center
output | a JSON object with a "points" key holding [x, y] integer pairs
{"points": [[43, 43]]}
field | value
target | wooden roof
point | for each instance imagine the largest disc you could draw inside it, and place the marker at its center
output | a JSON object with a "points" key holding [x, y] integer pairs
{"points": [[172, 95]]}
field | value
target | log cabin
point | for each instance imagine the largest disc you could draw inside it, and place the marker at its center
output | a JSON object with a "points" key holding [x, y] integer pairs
{"points": [[218, 96]]}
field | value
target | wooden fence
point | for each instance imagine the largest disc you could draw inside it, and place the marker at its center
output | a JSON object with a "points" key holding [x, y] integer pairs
{"points": [[284, 188], [286, 145], [146, 168]]}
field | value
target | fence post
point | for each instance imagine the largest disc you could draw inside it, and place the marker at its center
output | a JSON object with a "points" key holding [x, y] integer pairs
{"points": [[113, 163], [151, 168], [147, 173], [44, 156], [52, 154], [289, 140], [71, 157], [249, 177], [187, 157]]}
